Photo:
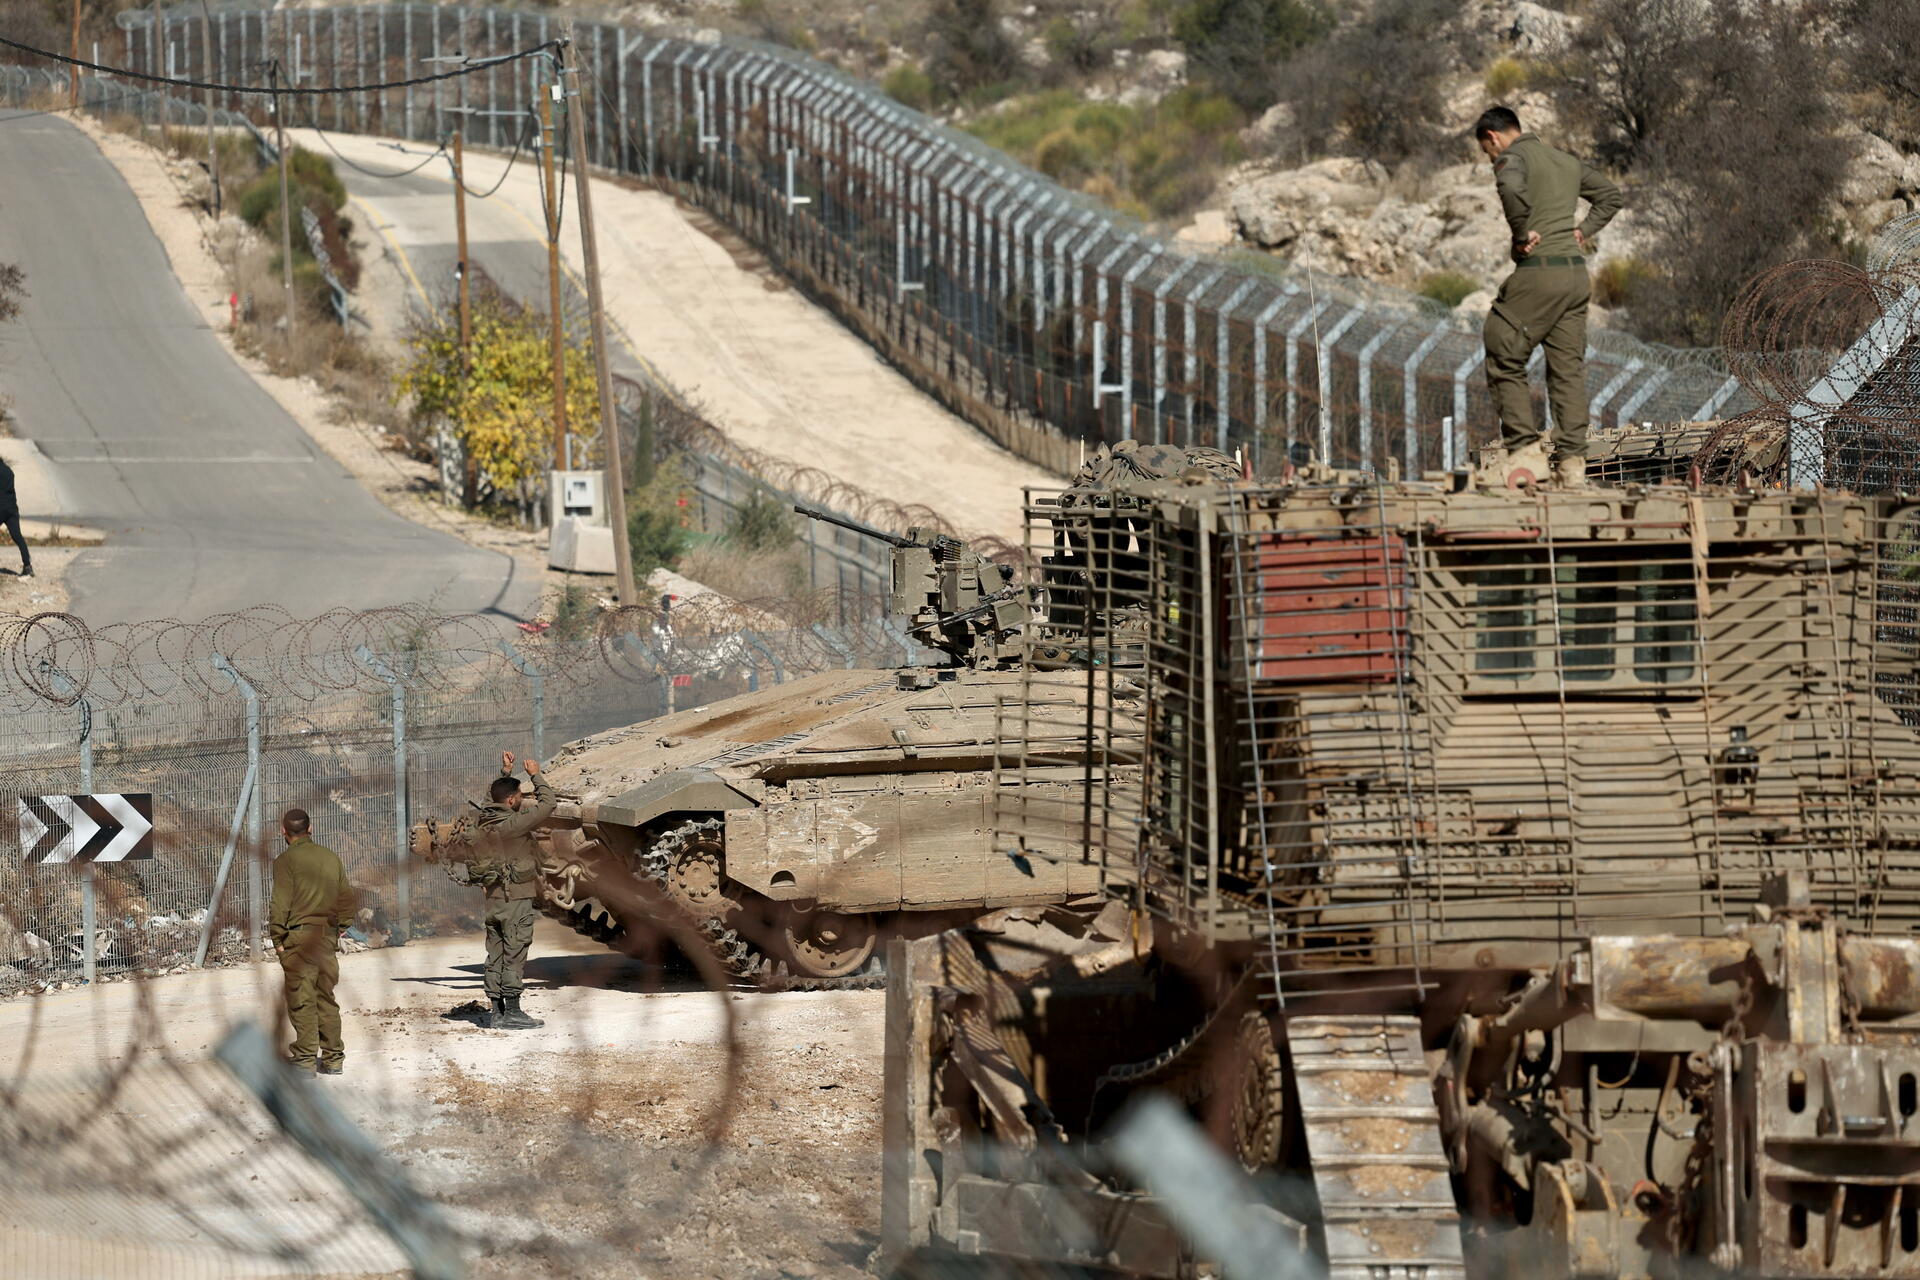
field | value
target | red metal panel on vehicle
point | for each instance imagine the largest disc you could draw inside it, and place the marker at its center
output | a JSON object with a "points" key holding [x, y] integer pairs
{"points": [[1329, 608]]}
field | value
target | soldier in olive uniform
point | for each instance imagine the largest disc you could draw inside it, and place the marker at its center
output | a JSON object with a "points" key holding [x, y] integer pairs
{"points": [[311, 906], [1544, 301], [507, 863]]}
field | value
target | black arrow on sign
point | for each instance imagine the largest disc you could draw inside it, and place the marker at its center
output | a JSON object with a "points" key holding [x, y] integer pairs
{"points": [[53, 828]]}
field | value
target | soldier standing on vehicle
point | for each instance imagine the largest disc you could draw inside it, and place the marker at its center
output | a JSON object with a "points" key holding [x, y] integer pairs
{"points": [[507, 862], [1544, 301], [311, 905]]}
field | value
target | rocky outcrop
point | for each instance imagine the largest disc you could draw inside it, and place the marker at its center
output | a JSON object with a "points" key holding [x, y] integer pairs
{"points": [[1353, 217]]}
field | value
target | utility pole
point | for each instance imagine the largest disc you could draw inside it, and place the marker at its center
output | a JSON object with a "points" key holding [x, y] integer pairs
{"points": [[590, 252], [556, 337], [460, 266], [286, 205], [472, 479], [206, 67], [460, 274], [73, 69]]}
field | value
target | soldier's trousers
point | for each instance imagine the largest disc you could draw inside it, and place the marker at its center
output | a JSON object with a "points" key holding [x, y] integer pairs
{"points": [[509, 934], [312, 969], [1540, 306]]}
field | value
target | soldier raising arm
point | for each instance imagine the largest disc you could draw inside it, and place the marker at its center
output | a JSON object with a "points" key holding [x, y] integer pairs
{"points": [[508, 865]]}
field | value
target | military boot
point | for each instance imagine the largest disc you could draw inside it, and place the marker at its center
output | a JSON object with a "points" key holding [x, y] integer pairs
{"points": [[1570, 471], [496, 1010], [515, 1019], [1529, 459]]}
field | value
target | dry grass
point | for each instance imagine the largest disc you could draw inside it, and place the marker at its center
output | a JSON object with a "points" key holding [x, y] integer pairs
{"points": [[743, 574]]}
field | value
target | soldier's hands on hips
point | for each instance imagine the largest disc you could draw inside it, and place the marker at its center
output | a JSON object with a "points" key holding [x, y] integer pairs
{"points": [[506, 762], [1580, 238], [1528, 245]]}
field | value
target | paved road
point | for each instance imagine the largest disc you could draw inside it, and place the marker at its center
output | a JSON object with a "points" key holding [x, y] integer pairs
{"points": [[211, 496]]}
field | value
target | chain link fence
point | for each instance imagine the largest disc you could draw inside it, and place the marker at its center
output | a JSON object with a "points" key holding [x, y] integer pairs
{"points": [[1049, 322], [366, 721]]}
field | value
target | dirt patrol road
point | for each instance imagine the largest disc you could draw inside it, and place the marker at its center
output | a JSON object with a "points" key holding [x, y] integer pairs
{"points": [[771, 369]]}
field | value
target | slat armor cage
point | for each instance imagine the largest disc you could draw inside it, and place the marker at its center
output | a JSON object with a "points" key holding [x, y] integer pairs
{"points": [[1379, 731]]}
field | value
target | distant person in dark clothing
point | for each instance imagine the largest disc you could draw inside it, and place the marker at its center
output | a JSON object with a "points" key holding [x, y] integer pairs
{"points": [[10, 516]]}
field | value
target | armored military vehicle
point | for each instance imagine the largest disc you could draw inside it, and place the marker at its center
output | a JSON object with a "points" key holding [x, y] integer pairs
{"points": [[795, 827], [1523, 882]]}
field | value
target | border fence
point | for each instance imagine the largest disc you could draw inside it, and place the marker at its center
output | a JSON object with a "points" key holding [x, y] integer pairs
{"points": [[1046, 320], [367, 720]]}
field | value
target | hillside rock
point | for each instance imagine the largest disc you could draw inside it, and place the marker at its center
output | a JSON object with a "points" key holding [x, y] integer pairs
{"points": [[1352, 217]]}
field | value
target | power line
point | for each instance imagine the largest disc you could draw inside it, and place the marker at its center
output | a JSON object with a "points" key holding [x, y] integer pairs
{"points": [[288, 90], [513, 156], [374, 173]]}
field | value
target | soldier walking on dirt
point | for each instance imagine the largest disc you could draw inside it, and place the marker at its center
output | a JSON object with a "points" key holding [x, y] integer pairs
{"points": [[1544, 301], [507, 862], [311, 905]]}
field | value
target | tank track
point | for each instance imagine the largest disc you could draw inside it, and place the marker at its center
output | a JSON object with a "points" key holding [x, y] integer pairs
{"points": [[744, 962]]}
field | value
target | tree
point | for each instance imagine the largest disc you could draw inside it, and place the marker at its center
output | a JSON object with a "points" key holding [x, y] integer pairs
{"points": [[968, 48], [1233, 45], [1743, 172], [1880, 43], [1376, 82], [499, 404], [1625, 79]]}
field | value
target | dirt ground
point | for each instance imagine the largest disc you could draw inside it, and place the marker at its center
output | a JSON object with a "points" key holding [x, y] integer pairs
{"points": [[585, 1148]]}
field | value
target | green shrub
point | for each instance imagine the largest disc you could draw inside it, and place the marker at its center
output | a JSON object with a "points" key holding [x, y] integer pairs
{"points": [[310, 180], [573, 615], [316, 173], [762, 523], [654, 538], [1505, 77], [1448, 288], [1082, 43], [909, 86], [1617, 280], [1233, 45], [1157, 161]]}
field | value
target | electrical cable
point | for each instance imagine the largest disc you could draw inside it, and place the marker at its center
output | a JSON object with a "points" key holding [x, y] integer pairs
{"points": [[374, 173], [290, 90], [512, 156]]}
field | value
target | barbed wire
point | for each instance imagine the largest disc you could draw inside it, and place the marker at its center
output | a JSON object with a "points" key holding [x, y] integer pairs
{"points": [[58, 660], [1831, 354]]}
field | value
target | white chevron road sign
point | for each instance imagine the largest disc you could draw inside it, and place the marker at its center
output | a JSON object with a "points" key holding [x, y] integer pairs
{"points": [[86, 828]]}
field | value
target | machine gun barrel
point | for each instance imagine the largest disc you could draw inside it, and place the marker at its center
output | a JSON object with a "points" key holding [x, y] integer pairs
{"points": [[865, 530]]}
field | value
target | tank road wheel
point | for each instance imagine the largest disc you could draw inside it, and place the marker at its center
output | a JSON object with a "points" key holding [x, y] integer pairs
{"points": [[825, 944], [687, 865], [1257, 1101], [694, 877]]}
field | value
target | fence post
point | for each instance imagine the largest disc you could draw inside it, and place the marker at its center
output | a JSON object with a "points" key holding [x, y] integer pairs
{"points": [[773, 659], [89, 906], [835, 643], [1410, 414], [402, 889], [539, 680], [255, 896]]}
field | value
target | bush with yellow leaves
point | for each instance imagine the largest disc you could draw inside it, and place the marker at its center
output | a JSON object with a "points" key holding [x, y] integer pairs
{"points": [[499, 403]]}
